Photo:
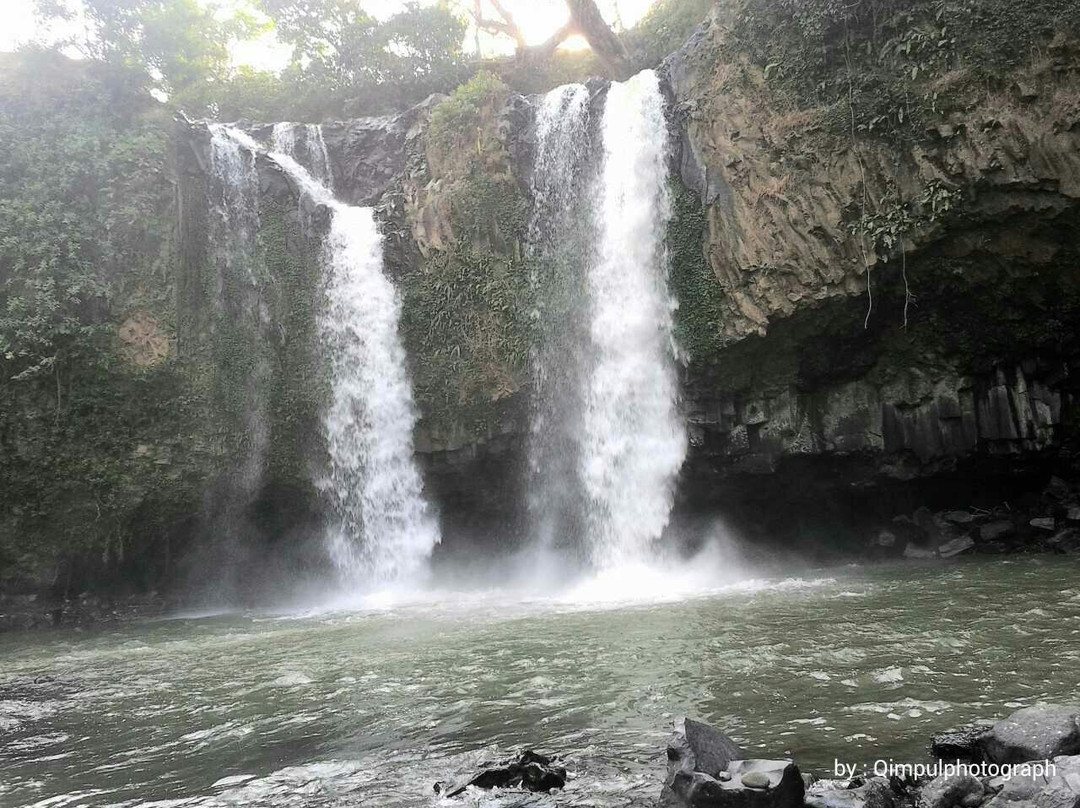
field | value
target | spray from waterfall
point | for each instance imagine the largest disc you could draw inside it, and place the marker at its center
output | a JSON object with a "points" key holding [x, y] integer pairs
{"points": [[386, 529]]}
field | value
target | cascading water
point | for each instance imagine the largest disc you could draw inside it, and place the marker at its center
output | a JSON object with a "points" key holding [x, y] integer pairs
{"points": [[633, 442], [558, 244], [386, 531], [607, 440], [313, 148]]}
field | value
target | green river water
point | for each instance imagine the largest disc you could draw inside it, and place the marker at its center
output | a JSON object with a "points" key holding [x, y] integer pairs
{"points": [[370, 707]]}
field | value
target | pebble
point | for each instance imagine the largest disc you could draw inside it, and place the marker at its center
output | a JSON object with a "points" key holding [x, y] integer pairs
{"points": [[755, 780]]}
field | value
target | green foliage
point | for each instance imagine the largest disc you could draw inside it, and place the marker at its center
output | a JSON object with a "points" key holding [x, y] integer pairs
{"points": [[83, 195], [345, 58], [180, 47], [466, 325], [893, 220], [695, 286], [85, 237], [663, 30], [466, 311], [872, 66], [457, 124]]}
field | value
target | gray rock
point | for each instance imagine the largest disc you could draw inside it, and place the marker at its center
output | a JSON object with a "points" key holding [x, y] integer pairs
{"points": [[915, 551], [1034, 733], [1043, 523], [884, 538], [742, 784], [1065, 541], [1058, 488], [756, 780], [1073, 513], [958, 744], [955, 547], [997, 530], [1059, 788], [959, 517], [950, 791], [874, 793], [711, 749]]}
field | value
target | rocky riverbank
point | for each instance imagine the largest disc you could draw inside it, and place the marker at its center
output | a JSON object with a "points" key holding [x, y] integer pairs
{"points": [[33, 612], [1031, 759], [1048, 522]]}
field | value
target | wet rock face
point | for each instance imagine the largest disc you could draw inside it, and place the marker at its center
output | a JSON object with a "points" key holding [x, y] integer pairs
{"points": [[1034, 733]]}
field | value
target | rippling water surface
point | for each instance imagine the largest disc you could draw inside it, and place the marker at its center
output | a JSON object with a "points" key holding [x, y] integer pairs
{"points": [[372, 707]]}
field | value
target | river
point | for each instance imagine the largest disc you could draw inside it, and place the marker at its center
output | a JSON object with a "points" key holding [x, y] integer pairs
{"points": [[371, 706]]}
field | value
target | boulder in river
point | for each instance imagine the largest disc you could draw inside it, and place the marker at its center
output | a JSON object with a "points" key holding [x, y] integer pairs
{"points": [[706, 770], [706, 749], [745, 784], [531, 772], [1034, 733]]}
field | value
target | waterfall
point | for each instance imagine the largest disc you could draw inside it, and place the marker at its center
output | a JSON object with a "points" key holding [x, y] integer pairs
{"points": [[309, 151], [239, 308], [607, 439], [386, 530], [633, 440], [558, 244]]}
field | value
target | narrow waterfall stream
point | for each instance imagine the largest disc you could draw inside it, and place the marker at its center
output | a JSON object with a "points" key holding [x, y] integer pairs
{"points": [[386, 530], [559, 242]]}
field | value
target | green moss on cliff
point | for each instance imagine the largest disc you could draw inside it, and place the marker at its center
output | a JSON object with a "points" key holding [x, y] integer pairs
{"points": [[101, 447], [701, 299], [300, 386]]}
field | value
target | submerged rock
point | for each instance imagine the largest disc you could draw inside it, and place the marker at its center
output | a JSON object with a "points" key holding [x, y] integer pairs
{"points": [[1034, 733], [531, 771]]}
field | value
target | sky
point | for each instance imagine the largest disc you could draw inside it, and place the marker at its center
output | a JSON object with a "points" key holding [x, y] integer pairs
{"points": [[537, 18]]}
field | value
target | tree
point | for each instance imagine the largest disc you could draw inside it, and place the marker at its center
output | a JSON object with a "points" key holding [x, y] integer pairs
{"points": [[181, 47], [584, 19], [346, 54]]}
